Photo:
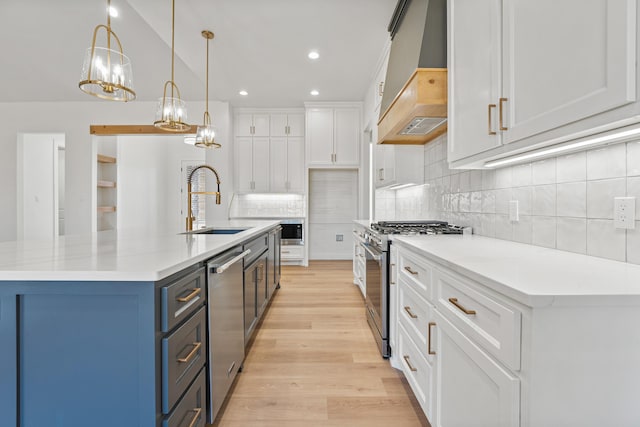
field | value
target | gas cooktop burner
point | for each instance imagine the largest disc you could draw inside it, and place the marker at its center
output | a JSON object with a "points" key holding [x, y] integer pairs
{"points": [[415, 227]]}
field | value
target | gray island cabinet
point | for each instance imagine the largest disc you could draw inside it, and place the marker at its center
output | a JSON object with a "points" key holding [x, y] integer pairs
{"points": [[108, 330]]}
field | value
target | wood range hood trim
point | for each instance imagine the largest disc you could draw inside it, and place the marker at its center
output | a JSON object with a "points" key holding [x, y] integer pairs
{"points": [[424, 95]]}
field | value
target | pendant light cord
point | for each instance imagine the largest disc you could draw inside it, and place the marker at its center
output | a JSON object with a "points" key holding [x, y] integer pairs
{"points": [[206, 98], [173, 36]]}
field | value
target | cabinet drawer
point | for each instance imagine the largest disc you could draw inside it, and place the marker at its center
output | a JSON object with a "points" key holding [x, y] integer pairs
{"points": [[417, 370], [292, 252], [191, 411], [183, 354], [181, 298], [257, 247], [492, 323], [415, 313], [419, 271]]}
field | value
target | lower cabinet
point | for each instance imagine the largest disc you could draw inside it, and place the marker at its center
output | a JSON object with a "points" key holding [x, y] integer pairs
{"points": [[256, 293], [472, 389]]}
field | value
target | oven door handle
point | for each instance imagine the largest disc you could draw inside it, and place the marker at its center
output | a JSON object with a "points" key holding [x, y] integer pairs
{"points": [[370, 249]]}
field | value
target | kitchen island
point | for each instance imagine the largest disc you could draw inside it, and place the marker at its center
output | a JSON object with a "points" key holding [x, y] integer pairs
{"points": [[87, 325]]}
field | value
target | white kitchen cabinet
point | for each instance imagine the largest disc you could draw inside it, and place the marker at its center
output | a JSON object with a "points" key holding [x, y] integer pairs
{"points": [[283, 124], [359, 259], [393, 305], [286, 164], [522, 74], [398, 165], [249, 124], [333, 135], [471, 388], [252, 168]]}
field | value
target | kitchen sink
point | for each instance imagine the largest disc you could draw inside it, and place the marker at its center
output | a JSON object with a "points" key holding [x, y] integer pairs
{"points": [[218, 231]]}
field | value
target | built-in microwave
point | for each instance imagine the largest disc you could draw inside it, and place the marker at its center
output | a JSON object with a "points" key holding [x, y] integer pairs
{"points": [[292, 232]]}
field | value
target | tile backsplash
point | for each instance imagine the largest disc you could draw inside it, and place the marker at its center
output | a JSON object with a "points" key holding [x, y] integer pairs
{"points": [[268, 206], [564, 202]]}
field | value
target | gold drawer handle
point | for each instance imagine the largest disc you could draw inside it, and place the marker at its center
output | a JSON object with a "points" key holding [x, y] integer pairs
{"points": [[410, 270], [191, 296], [411, 368], [198, 411], [429, 340], [490, 131], [455, 302], [196, 347], [409, 312]]}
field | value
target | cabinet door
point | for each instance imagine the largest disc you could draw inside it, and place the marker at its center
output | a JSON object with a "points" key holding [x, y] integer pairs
{"points": [[471, 388], [295, 165], [244, 147], [243, 124], [567, 68], [296, 124], [347, 136], [250, 301], [320, 136], [278, 164], [278, 125], [474, 33], [393, 300], [261, 164], [261, 125], [385, 172]]}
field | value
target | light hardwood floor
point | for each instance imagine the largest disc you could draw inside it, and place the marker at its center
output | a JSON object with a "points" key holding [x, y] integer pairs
{"points": [[314, 361]]}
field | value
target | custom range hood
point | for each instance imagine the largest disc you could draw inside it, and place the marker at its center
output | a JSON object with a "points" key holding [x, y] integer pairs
{"points": [[414, 102]]}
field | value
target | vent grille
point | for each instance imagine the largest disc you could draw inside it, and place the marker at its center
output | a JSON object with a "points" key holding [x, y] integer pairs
{"points": [[423, 125]]}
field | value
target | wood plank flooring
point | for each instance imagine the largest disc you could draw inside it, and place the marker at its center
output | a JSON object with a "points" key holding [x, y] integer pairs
{"points": [[314, 361]]}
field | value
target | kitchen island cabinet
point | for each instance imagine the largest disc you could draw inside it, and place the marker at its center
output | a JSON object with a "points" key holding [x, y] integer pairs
{"points": [[108, 329], [506, 334]]}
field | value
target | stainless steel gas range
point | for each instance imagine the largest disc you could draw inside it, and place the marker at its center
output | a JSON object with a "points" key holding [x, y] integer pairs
{"points": [[376, 249]]}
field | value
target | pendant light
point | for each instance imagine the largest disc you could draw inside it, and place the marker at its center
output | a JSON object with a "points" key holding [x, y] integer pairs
{"points": [[106, 73], [171, 114], [205, 136]]}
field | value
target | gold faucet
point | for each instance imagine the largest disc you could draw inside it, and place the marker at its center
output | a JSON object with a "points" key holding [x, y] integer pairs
{"points": [[190, 217]]}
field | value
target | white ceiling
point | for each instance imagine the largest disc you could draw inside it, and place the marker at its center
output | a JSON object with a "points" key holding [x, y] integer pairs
{"points": [[260, 46]]}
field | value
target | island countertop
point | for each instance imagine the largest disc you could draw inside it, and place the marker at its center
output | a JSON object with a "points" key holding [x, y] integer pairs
{"points": [[131, 255]]}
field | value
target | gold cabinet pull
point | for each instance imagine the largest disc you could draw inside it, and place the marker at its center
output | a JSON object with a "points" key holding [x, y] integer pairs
{"points": [[502, 101], [198, 411], [411, 271], [429, 338], [491, 132], [409, 312], [406, 360], [455, 302], [380, 90], [192, 295], [392, 282], [188, 357]]}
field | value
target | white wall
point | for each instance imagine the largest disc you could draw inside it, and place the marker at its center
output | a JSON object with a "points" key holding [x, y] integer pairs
{"points": [[73, 120], [564, 202]]}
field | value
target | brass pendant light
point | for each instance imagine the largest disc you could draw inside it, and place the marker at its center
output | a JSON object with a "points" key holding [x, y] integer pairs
{"points": [[205, 136], [106, 73], [171, 114]]}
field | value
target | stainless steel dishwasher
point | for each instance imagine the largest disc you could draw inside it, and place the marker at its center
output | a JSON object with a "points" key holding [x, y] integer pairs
{"points": [[226, 324]]}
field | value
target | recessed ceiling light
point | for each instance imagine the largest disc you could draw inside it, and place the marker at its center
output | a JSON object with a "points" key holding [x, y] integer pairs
{"points": [[314, 92], [243, 93], [113, 12], [313, 55]]}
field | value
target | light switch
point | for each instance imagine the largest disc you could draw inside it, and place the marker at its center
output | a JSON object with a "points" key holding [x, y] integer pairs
{"points": [[513, 211]]}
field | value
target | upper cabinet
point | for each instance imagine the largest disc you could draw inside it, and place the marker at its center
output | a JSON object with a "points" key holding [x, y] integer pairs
{"points": [[287, 124], [248, 124], [523, 74], [271, 162], [333, 134]]}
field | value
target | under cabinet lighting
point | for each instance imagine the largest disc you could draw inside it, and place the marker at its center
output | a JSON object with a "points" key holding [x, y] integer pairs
{"points": [[400, 186], [606, 138]]}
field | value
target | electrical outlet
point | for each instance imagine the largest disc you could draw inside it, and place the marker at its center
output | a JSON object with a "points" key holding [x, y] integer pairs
{"points": [[339, 237], [624, 212], [513, 211]]}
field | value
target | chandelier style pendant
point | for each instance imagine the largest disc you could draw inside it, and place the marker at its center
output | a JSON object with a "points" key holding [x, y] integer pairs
{"points": [[106, 72], [205, 136], [171, 114]]}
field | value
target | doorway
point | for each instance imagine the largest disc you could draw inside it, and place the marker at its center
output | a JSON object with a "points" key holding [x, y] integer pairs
{"points": [[40, 182]]}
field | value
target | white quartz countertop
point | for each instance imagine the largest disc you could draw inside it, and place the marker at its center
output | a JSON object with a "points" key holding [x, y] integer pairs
{"points": [[118, 255], [532, 275]]}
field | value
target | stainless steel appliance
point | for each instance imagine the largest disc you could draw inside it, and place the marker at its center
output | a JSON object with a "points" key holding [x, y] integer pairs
{"points": [[292, 232], [376, 249], [226, 324]]}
